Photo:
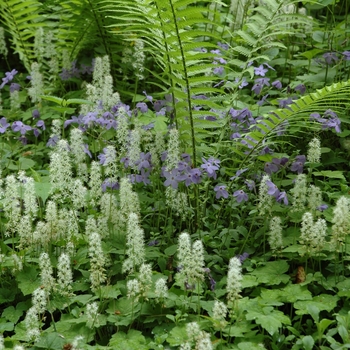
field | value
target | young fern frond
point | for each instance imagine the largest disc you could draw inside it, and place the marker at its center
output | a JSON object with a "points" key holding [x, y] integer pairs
{"points": [[21, 19], [335, 97], [261, 29]]}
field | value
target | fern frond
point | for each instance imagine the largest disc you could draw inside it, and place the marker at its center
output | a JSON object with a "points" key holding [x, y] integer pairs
{"points": [[335, 97], [21, 27]]}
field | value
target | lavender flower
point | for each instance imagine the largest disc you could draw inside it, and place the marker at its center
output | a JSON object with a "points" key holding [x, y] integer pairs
{"points": [[19, 126], [221, 191], [298, 165], [346, 55], [210, 166], [3, 125], [41, 124], [301, 88], [330, 57], [14, 87], [322, 207], [172, 178], [242, 257], [143, 177], [277, 84], [282, 197], [35, 114], [270, 168], [113, 185], [142, 107], [240, 196], [8, 77], [257, 88], [260, 70], [272, 189]]}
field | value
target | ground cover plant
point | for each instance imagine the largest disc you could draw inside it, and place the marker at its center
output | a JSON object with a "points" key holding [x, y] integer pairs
{"points": [[174, 174]]}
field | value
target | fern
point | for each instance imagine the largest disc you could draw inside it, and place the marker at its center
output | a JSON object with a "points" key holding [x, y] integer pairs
{"points": [[174, 32], [21, 19], [335, 97]]}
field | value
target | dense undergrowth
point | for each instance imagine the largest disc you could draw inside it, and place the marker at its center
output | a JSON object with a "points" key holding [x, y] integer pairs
{"points": [[174, 174]]}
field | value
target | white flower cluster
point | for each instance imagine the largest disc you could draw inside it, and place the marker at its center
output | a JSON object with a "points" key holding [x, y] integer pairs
{"points": [[191, 261]]}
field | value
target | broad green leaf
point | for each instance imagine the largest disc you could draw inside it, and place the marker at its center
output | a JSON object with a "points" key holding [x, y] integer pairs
{"points": [[26, 163], [271, 320], [331, 174], [42, 190], [11, 314], [28, 280], [177, 336], [344, 288], [272, 273], [308, 342], [133, 340], [322, 302], [6, 326], [51, 341]]}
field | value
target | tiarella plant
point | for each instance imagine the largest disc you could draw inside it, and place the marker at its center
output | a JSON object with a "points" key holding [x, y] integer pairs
{"points": [[174, 174]]}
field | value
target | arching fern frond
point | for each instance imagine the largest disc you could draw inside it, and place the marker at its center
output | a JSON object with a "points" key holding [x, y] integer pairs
{"points": [[335, 97], [174, 34], [21, 19]]}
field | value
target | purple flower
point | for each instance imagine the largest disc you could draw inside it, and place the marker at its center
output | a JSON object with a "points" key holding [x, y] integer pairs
{"points": [[19, 126], [8, 77], [218, 70], [270, 168], [240, 196], [125, 161], [220, 191], [143, 177], [41, 124], [301, 88], [144, 161], [149, 98], [210, 166], [14, 87], [102, 156], [90, 118], [257, 88], [346, 55], [298, 165], [277, 84], [263, 81], [250, 184], [74, 119], [142, 106], [242, 83], [152, 243], [36, 132], [242, 257], [35, 114], [330, 57], [282, 197], [52, 141], [3, 125], [193, 176], [113, 185], [212, 283], [263, 100], [322, 207], [272, 189], [260, 70], [283, 103], [223, 46], [86, 150], [172, 178]]}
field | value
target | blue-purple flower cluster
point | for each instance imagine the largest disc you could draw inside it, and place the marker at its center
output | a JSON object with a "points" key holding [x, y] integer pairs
{"points": [[75, 72]]}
